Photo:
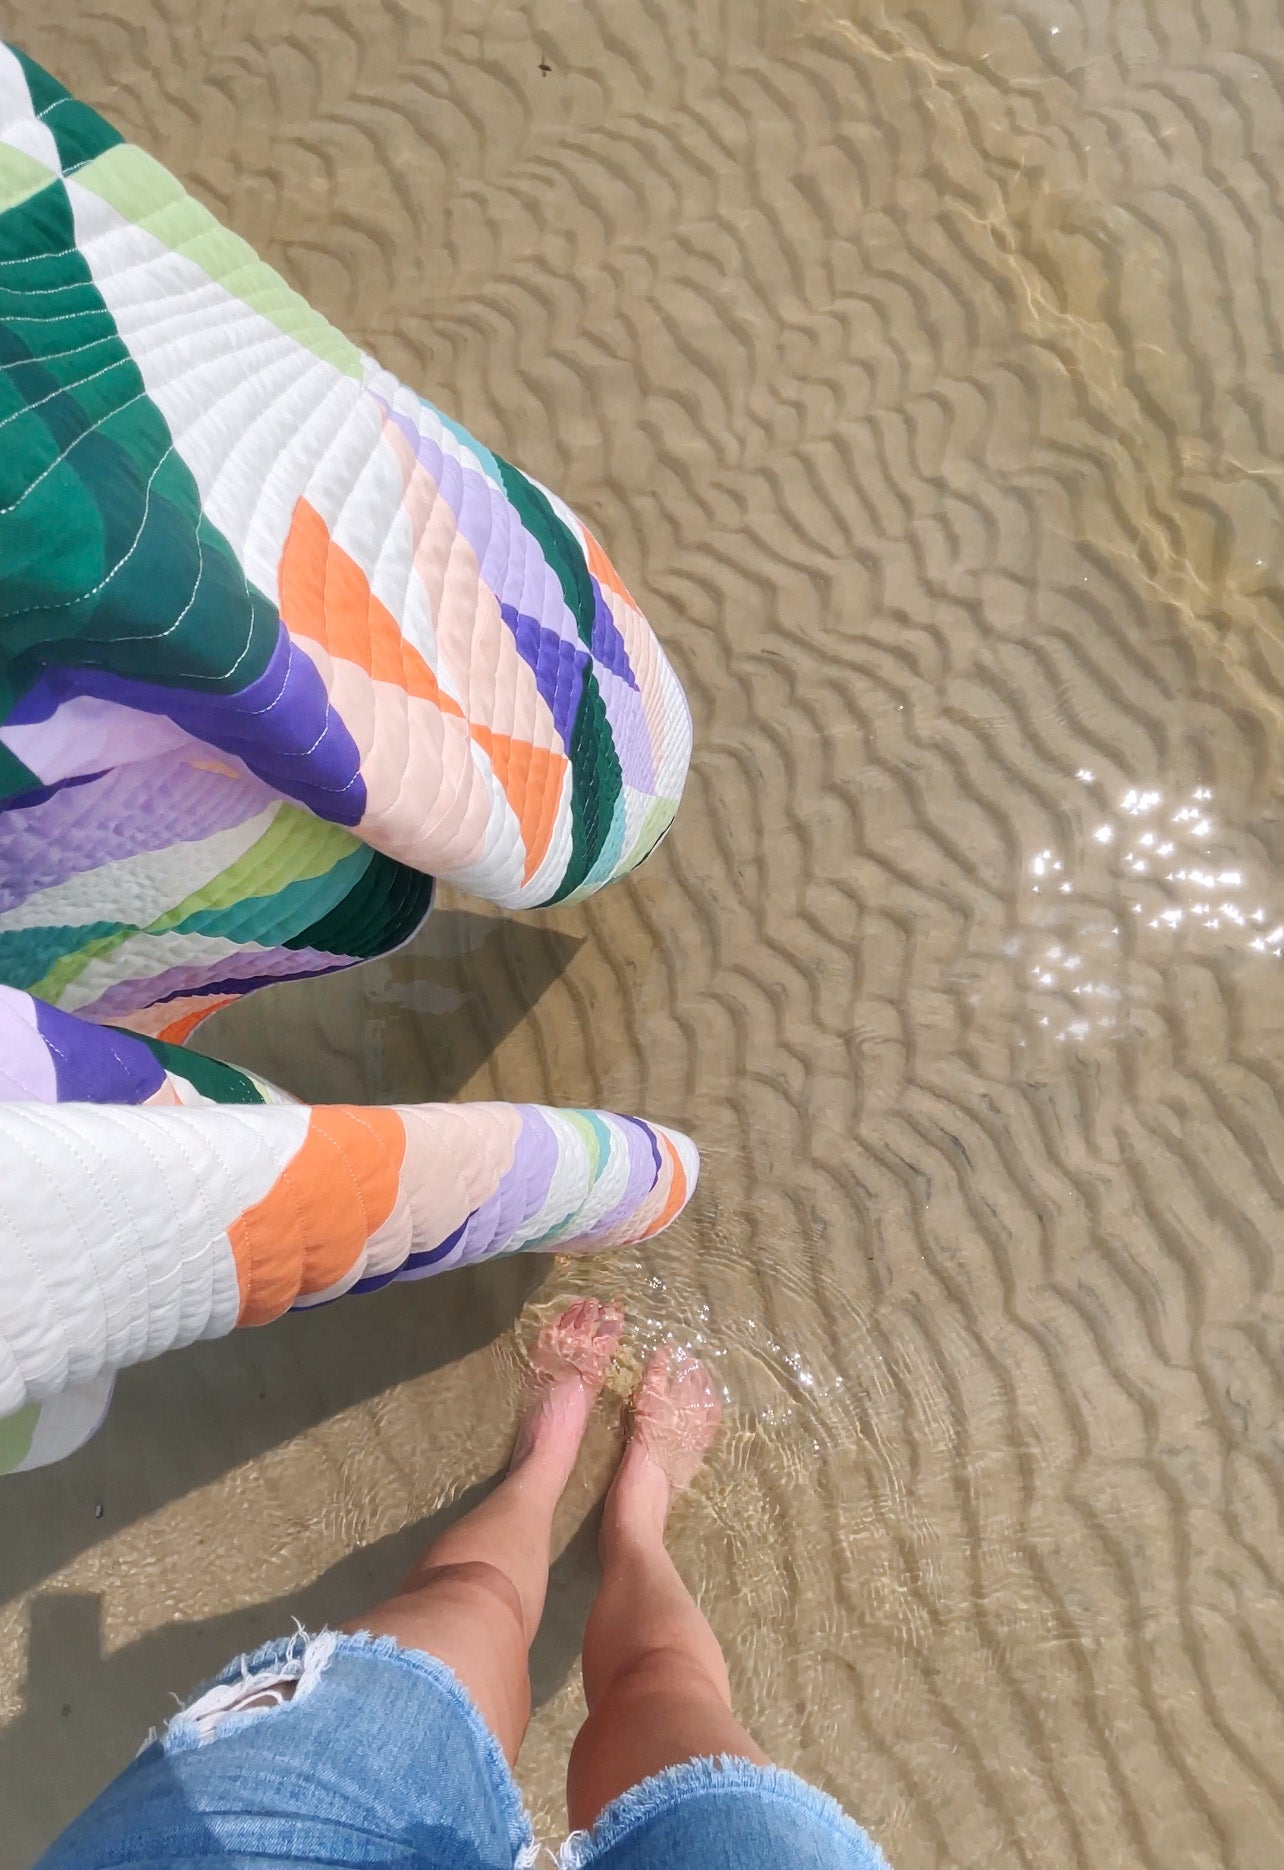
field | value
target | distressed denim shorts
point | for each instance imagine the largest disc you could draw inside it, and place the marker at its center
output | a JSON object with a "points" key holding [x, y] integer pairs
{"points": [[359, 1752]]}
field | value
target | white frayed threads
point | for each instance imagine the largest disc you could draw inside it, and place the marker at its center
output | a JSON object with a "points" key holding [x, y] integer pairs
{"points": [[258, 1692]]}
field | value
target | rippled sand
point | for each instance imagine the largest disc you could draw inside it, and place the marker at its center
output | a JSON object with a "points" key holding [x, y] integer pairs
{"points": [[922, 365]]}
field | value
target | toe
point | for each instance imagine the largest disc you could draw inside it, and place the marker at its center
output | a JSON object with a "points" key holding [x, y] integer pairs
{"points": [[655, 1378], [579, 1342], [610, 1321]]}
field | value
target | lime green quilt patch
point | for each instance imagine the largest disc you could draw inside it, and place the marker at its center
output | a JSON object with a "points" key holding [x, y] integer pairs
{"points": [[144, 193]]}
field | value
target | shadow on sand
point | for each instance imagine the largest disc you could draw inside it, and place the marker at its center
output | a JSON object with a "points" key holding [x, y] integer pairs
{"points": [[89, 1711], [413, 1026], [183, 1420]]}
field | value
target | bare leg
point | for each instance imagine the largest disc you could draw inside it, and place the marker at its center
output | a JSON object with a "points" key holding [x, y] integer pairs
{"points": [[475, 1598], [654, 1677]]}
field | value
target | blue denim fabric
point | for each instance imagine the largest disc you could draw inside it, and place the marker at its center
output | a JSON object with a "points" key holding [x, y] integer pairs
{"points": [[723, 1815], [378, 1756]]}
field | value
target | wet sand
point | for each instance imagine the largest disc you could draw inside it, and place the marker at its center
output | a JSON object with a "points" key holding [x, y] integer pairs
{"points": [[922, 367]]}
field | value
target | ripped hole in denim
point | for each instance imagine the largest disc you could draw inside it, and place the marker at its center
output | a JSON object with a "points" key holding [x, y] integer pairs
{"points": [[290, 1674]]}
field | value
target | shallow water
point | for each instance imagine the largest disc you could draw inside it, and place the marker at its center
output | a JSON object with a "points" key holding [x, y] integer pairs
{"points": [[921, 364]]}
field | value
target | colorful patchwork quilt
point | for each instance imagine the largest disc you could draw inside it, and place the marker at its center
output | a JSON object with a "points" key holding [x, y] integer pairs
{"points": [[280, 643]]}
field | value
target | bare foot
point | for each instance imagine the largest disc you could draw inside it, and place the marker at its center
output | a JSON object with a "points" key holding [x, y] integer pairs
{"points": [[676, 1413], [568, 1367]]}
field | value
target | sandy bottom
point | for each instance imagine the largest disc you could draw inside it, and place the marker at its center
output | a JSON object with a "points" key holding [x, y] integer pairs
{"points": [[922, 369]]}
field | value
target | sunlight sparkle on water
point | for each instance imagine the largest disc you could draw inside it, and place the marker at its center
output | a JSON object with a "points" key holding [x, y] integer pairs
{"points": [[1182, 901]]}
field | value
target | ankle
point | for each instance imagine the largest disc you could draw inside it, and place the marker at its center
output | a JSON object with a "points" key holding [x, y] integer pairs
{"points": [[634, 1522], [538, 1477]]}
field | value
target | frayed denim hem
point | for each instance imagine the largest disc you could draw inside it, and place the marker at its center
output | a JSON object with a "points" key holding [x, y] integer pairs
{"points": [[280, 1674], [652, 1797]]}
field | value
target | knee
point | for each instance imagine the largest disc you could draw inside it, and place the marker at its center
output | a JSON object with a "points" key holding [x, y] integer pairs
{"points": [[473, 1578], [663, 1675], [658, 1709]]}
